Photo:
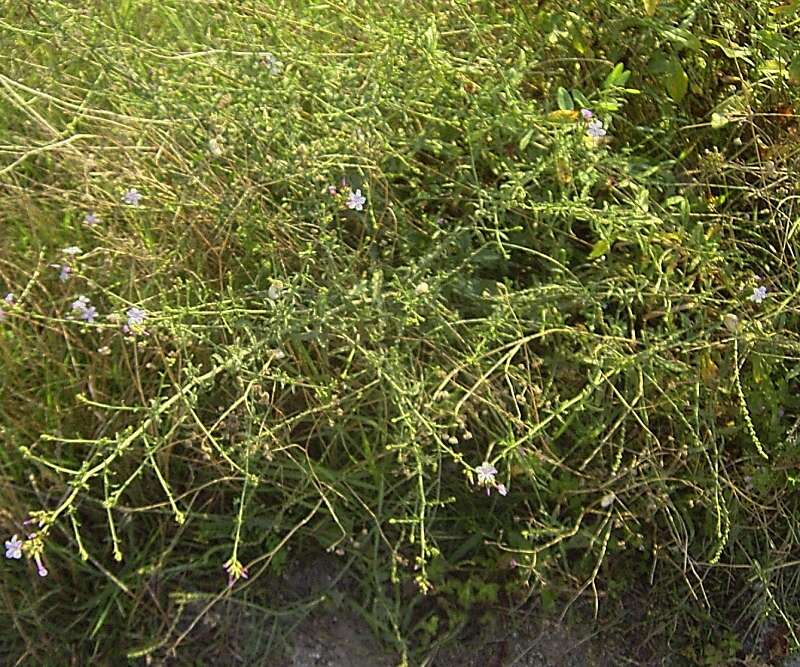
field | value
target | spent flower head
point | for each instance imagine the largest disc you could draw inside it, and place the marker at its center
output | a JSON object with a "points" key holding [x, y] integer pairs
{"points": [[14, 548], [356, 200]]}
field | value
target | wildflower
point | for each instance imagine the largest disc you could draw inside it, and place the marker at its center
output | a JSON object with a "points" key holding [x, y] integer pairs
{"points": [[502, 490], [356, 200], [91, 218], [486, 472], [274, 292], [40, 568], [422, 288], [595, 129], [132, 197], [759, 294], [235, 570], [72, 251], [64, 273], [607, 500], [9, 298], [80, 303], [587, 114], [14, 548], [272, 63], [332, 190], [84, 310], [136, 316]]}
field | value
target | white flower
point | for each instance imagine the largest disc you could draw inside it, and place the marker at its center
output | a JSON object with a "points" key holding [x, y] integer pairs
{"points": [[759, 294], [486, 472], [356, 200], [72, 251], [274, 292]]}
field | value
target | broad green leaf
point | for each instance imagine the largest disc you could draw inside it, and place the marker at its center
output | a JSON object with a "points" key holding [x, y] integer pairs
{"points": [[564, 100], [580, 99], [599, 249], [676, 81]]}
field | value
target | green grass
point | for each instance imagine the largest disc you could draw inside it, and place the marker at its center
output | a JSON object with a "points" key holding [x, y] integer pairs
{"points": [[314, 377]]}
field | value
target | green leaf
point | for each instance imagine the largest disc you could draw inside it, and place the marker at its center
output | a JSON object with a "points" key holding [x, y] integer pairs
{"points": [[564, 100], [599, 249], [676, 81], [580, 99], [682, 38], [650, 7], [617, 77], [794, 70], [526, 139], [718, 120]]}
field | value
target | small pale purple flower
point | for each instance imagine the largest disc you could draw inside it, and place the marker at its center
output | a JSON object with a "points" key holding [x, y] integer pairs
{"points": [[595, 129], [759, 294], [332, 190], [356, 200], [84, 310], [72, 251], [64, 273], [587, 114], [9, 298], [136, 316], [14, 548], [91, 218], [502, 490], [40, 568], [132, 197]]}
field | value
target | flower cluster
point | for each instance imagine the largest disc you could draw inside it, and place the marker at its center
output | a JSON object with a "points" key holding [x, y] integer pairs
{"points": [[235, 570], [82, 308], [486, 478], [33, 547]]}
